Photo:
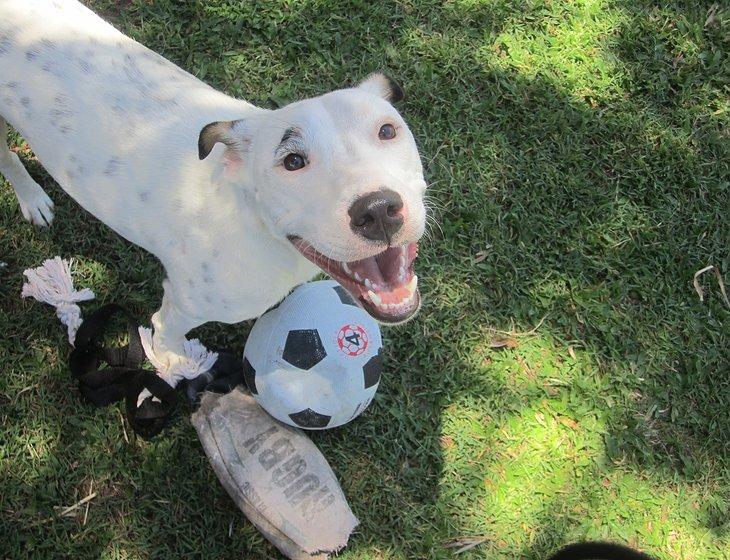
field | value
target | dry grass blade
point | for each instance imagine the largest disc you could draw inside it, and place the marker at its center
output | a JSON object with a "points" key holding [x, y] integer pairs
{"points": [[466, 543], [124, 427], [718, 275], [526, 333]]}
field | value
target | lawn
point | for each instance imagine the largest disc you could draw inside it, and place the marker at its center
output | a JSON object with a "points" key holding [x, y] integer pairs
{"points": [[563, 380]]}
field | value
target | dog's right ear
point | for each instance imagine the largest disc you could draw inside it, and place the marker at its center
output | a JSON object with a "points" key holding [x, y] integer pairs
{"points": [[230, 133], [384, 86]]}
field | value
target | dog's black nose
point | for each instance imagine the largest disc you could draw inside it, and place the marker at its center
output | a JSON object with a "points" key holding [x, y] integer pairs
{"points": [[377, 216]]}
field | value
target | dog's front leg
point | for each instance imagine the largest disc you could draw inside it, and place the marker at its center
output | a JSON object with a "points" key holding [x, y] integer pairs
{"points": [[170, 325]]}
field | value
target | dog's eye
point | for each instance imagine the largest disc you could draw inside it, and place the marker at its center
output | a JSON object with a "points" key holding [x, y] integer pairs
{"points": [[292, 162], [387, 132]]}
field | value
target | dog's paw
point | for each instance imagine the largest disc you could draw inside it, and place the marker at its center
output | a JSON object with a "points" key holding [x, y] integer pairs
{"points": [[37, 207]]}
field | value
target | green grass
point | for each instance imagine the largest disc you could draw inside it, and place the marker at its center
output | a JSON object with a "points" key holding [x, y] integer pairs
{"points": [[578, 155]]}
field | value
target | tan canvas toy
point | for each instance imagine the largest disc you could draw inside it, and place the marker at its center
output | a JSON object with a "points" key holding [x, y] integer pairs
{"points": [[275, 475]]}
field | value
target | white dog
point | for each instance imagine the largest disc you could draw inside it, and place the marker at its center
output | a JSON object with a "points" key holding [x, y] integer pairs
{"points": [[240, 204]]}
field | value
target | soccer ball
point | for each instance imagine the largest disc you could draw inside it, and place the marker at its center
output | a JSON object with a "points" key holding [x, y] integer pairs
{"points": [[314, 361]]}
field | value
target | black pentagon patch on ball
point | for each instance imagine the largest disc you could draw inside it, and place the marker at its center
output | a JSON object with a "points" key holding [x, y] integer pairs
{"points": [[371, 370], [308, 418], [249, 376], [345, 296], [303, 348]]}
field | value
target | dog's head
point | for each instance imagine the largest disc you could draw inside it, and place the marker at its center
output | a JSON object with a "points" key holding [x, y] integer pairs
{"points": [[340, 178]]}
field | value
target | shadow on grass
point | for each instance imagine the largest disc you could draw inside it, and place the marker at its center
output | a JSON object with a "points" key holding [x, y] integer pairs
{"points": [[592, 209]]}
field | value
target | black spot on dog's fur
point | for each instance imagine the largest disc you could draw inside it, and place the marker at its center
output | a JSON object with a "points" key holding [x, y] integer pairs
{"points": [[5, 45], [61, 114], [86, 68], [112, 167]]}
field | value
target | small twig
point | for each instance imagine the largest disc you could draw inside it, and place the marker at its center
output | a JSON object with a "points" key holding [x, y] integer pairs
{"points": [[527, 333], [700, 291], [86, 511], [69, 509]]}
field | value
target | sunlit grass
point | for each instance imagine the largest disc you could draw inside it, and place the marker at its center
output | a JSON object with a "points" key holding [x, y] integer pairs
{"points": [[567, 44]]}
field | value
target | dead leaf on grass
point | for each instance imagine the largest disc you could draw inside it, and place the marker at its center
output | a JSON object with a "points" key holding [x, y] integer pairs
{"points": [[479, 257], [447, 442], [507, 342]]}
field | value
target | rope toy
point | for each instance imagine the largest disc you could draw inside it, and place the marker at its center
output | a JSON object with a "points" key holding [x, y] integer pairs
{"points": [[150, 396], [52, 283], [198, 360]]}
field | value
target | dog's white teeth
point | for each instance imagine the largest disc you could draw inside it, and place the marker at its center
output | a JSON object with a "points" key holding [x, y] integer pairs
{"points": [[375, 298], [412, 285], [369, 284], [358, 277], [346, 269]]}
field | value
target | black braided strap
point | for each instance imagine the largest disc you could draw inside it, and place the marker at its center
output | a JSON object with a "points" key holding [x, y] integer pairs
{"points": [[123, 377], [153, 414], [224, 376], [102, 387]]}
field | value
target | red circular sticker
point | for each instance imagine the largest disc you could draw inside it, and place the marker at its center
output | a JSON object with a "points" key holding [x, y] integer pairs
{"points": [[352, 340]]}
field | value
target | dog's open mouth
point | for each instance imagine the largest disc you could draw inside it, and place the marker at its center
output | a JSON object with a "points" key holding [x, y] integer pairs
{"points": [[385, 285]]}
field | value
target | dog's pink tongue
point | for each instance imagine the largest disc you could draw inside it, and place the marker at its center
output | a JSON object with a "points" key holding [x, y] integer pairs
{"points": [[367, 269], [389, 268]]}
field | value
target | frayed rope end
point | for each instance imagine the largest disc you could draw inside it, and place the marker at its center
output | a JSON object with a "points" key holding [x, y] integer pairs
{"points": [[196, 361], [52, 283]]}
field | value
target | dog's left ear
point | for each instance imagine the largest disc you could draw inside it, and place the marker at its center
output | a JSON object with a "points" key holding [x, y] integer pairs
{"points": [[230, 133], [384, 86], [236, 138]]}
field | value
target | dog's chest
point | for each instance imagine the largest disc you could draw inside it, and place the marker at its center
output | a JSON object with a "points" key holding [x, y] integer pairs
{"points": [[238, 279]]}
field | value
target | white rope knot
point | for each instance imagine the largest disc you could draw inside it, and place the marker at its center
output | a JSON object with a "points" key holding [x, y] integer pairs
{"points": [[70, 315], [196, 361], [52, 283]]}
